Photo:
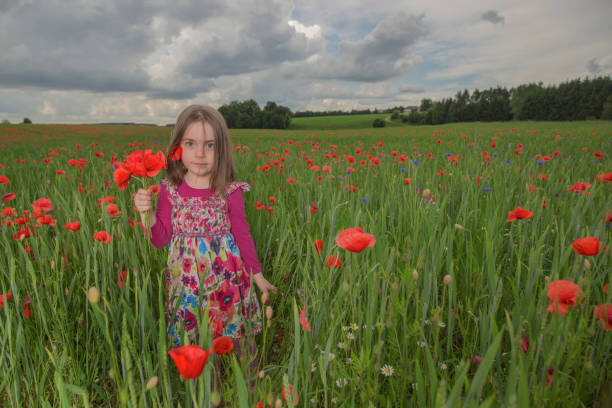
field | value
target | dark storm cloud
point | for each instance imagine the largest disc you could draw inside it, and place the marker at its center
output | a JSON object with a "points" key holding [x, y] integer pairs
{"points": [[405, 88], [110, 46], [593, 66], [493, 17], [382, 54]]}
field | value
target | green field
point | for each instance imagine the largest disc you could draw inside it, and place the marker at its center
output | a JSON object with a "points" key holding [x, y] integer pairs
{"points": [[339, 122], [448, 308]]}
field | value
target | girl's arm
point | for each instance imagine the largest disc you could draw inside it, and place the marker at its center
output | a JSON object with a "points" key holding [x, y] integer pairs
{"points": [[241, 232], [244, 240]]}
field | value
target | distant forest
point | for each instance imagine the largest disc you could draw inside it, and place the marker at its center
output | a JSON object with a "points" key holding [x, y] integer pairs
{"points": [[573, 100]]}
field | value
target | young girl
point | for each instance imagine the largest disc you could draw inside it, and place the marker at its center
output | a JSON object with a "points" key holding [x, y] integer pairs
{"points": [[200, 213]]}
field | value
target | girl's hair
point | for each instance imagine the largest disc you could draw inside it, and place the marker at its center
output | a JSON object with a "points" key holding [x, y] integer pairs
{"points": [[223, 170]]}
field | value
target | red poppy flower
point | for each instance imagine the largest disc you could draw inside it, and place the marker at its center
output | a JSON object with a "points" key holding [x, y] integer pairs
{"points": [[102, 236], [4, 180], [176, 153], [122, 176], [291, 395], [354, 239], [604, 312], [223, 345], [190, 360], [598, 155], [606, 177], [313, 208], [154, 189], [318, 244], [112, 210], [154, 163], [8, 197], [46, 220], [562, 294], [43, 204], [105, 200], [332, 261], [3, 297], [408, 180], [303, 320], [579, 187], [519, 213], [525, 343], [588, 246]]}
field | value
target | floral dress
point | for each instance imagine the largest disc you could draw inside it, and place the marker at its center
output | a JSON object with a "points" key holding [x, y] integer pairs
{"points": [[205, 270]]}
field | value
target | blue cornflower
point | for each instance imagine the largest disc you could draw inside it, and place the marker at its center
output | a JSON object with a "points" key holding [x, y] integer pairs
{"points": [[416, 162], [364, 199], [540, 161], [488, 188], [494, 154], [448, 154], [507, 160], [348, 172], [402, 169]]}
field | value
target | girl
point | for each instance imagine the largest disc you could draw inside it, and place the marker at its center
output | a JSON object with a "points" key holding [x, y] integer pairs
{"points": [[200, 213]]}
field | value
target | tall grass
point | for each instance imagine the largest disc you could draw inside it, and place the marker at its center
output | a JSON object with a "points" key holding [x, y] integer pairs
{"points": [[388, 306]]}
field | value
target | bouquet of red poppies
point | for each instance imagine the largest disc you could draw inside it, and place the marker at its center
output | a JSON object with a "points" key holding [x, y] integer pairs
{"points": [[143, 165]]}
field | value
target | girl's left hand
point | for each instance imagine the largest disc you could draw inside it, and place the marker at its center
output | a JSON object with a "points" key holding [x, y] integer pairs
{"points": [[263, 284]]}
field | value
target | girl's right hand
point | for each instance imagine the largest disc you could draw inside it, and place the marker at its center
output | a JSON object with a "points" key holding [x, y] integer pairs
{"points": [[143, 200]]}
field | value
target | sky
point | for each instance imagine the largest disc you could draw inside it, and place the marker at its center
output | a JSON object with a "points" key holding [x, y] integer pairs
{"points": [[91, 61]]}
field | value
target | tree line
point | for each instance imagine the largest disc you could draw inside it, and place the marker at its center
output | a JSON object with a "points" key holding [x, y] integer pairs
{"points": [[572, 100], [248, 115]]}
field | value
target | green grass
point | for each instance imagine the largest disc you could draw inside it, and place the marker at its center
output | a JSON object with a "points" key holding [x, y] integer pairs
{"points": [[339, 122], [368, 313]]}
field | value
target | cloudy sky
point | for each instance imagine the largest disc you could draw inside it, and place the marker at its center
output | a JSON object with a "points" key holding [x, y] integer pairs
{"points": [[84, 61]]}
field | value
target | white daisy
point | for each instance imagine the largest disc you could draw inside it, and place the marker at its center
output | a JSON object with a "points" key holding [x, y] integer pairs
{"points": [[386, 370], [349, 360], [331, 356], [334, 400], [341, 382], [341, 345], [355, 326], [350, 336], [443, 366], [313, 367], [441, 324]]}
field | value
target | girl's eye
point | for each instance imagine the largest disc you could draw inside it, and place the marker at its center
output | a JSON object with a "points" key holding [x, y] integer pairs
{"points": [[189, 144]]}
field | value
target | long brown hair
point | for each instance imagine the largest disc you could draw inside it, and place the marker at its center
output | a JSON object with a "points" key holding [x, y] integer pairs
{"points": [[223, 171]]}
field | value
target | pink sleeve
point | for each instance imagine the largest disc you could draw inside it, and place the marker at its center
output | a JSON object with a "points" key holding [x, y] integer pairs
{"points": [[161, 232], [240, 231]]}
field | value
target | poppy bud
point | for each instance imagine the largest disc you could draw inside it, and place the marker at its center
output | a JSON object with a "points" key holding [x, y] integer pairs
{"points": [[447, 279], [278, 403], [269, 312], [426, 193], [415, 274], [93, 295], [269, 399], [587, 264], [265, 298], [394, 287], [215, 398], [261, 374], [459, 226], [152, 383], [345, 286]]}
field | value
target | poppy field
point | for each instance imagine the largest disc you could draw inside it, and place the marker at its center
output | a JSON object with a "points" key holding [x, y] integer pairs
{"points": [[456, 265]]}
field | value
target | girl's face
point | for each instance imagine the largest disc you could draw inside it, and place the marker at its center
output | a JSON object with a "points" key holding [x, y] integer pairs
{"points": [[198, 144]]}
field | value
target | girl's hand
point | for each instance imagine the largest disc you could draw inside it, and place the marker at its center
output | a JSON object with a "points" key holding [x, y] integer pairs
{"points": [[143, 200], [264, 286]]}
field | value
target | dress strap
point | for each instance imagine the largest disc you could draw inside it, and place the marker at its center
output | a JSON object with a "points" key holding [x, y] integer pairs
{"points": [[173, 194], [236, 185]]}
